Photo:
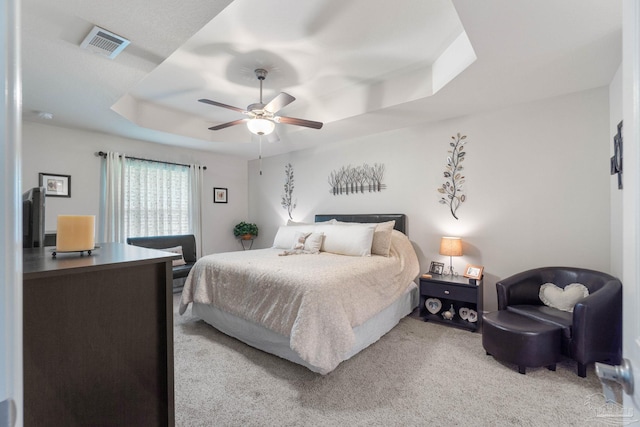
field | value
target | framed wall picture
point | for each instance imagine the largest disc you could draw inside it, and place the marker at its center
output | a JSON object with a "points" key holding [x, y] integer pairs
{"points": [[219, 195], [55, 185], [436, 267], [473, 271]]}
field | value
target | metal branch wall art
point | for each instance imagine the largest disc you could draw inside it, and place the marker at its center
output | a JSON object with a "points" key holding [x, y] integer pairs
{"points": [[287, 200], [452, 189], [351, 180], [616, 160]]}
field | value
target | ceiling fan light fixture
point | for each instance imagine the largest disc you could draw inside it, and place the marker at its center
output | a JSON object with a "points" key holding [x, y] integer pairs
{"points": [[263, 116], [261, 126]]}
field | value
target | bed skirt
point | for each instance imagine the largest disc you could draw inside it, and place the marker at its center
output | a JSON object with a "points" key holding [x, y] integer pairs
{"points": [[271, 342]]}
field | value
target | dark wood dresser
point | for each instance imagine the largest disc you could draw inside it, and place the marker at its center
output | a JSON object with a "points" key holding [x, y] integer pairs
{"points": [[98, 337]]}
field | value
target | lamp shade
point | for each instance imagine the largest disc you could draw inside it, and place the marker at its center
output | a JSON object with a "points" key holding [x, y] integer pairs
{"points": [[75, 233], [451, 246], [261, 126]]}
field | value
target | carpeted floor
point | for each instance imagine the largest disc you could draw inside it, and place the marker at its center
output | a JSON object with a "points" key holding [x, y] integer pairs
{"points": [[419, 374]]}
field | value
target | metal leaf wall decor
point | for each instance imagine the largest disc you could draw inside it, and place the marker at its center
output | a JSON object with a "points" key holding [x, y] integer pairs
{"points": [[360, 179], [287, 197], [616, 160], [452, 189]]}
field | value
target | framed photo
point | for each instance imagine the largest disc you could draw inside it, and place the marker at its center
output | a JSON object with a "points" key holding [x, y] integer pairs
{"points": [[473, 271], [219, 195], [436, 267], [55, 185]]}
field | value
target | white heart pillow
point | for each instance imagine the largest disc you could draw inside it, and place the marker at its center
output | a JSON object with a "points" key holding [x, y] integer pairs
{"points": [[563, 299], [178, 251]]}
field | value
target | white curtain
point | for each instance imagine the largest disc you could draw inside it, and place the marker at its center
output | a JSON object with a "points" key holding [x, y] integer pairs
{"points": [[196, 177], [149, 198], [111, 227]]}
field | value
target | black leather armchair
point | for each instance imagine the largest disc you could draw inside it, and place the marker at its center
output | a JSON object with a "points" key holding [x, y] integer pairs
{"points": [[188, 243], [593, 332]]}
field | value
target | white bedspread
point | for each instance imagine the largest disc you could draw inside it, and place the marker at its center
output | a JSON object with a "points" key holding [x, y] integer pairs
{"points": [[315, 300]]}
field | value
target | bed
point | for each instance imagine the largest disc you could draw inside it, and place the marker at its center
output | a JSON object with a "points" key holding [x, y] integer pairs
{"points": [[314, 305]]}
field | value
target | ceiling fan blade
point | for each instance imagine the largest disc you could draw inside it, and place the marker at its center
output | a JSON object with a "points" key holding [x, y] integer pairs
{"points": [[220, 104], [298, 122], [279, 102], [226, 125]]}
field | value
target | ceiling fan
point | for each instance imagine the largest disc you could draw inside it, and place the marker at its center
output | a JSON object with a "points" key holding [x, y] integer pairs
{"points": [[262, 117]]}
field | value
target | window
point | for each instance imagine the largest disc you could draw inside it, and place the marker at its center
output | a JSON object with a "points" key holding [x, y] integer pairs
{"points": [[156, 198]]}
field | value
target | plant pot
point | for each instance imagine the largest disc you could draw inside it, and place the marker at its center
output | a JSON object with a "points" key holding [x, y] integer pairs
{"points": [[246, 236]]}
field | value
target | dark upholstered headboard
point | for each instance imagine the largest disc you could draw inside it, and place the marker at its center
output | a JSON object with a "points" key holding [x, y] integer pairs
{"points": [[401, 219]]}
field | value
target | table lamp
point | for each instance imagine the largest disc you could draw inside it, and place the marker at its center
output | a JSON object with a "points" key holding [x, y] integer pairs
{"points": [[451, 246], [76, 233]]}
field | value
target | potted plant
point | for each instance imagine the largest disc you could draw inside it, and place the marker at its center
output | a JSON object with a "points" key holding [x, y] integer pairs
{"points": [[245, 230]]}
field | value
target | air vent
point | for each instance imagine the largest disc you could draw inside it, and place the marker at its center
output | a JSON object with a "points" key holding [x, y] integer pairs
{"points": [[104, 42]]}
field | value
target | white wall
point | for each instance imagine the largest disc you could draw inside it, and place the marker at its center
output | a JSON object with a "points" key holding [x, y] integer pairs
{"points": [[537, 185], [65, 151], [615, 116]]}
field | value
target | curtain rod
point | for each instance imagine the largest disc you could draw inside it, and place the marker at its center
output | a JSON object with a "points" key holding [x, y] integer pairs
{"points": [[104, 155]]}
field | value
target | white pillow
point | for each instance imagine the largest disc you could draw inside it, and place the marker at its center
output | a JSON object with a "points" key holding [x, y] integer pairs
{"points": [[176, 250], [313, 243], [290, 223], [381, 237], [563, 299], [354, 240], [329, 221], [286, 235]]}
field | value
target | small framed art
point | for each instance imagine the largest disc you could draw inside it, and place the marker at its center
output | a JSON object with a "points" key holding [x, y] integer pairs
{"points": [[473, 271], [219, 195], [436, 267], [55, 185]]}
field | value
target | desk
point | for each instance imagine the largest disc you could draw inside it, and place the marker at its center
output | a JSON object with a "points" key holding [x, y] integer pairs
{"points": [[98, 337]]}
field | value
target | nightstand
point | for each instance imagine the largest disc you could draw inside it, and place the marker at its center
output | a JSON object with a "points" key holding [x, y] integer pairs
{"points": [[444, 291]]}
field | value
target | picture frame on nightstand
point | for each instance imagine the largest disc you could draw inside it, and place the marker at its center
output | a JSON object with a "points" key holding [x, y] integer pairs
{"points": [[473, 271], [436, 267]]}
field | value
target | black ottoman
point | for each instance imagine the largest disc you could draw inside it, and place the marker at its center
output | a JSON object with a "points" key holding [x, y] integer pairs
{"points": [[517, 339]]}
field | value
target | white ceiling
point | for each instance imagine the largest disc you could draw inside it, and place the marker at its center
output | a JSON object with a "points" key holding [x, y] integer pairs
{"points": [[361, 67]]}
